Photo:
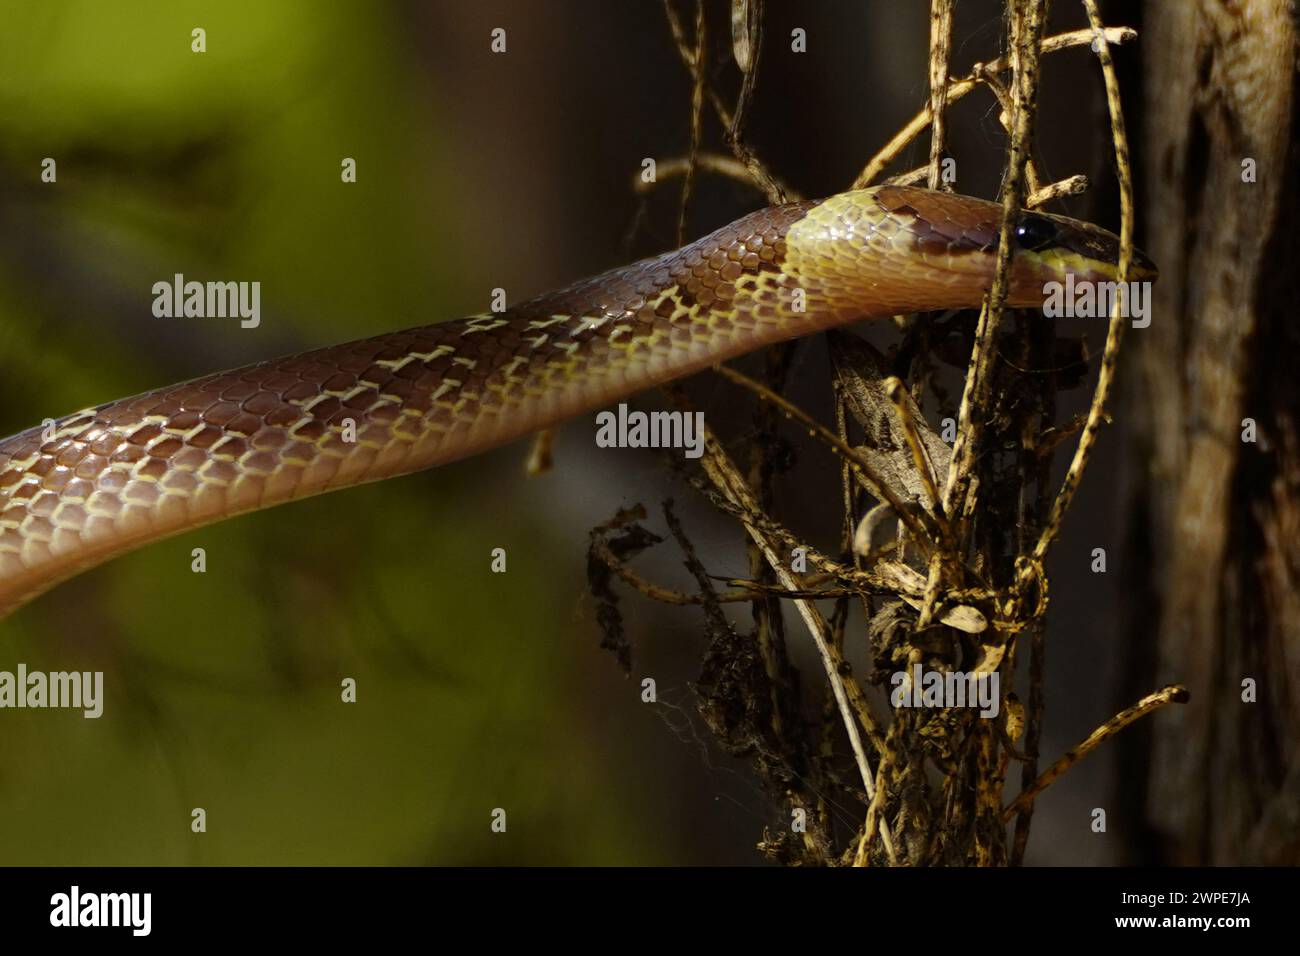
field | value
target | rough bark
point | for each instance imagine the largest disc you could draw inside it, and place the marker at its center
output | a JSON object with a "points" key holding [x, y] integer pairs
{"points": [[1216, 518]]}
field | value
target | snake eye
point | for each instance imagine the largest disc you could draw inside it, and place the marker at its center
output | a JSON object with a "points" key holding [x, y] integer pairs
{"points": [[1035, 232]]}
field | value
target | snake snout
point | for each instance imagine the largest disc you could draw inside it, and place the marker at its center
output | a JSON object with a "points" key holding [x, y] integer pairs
{"points": [[1085, 248], [1143, 268]]}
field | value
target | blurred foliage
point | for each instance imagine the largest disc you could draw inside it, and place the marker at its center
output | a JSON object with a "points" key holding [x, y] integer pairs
{"points": [[223, 688]]}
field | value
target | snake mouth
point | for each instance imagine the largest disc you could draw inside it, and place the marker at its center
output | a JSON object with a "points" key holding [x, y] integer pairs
{"points": [[1103, 264], [1089, 267], [1083, 248], [1143, 268]]}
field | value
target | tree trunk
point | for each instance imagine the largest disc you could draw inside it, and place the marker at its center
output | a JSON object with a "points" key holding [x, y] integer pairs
{"points": [[1215, 530]]}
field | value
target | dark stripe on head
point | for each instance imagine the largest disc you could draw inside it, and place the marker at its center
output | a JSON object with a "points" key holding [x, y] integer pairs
{"points": [[945, 222]]}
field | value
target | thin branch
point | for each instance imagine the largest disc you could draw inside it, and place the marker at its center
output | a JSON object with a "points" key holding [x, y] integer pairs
{"points": [[1027, 26], [1115, 334], [760, 174], [940, 51], [959, 88], [1173, 694], [1070, 186], [895, 390], [864, 470], [697, 118], [720, 469], [716, 163]]}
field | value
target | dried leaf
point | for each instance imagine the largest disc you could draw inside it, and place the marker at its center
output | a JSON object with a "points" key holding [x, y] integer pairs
{"points": [[860, 379], [624, 539], [740, 45]]}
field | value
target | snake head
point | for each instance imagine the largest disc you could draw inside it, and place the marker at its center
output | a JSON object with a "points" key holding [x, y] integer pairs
{"points": [[1049, 248], [893, 249], [1052, 249]]}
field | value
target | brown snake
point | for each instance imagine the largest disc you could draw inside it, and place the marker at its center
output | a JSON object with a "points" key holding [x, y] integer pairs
{"points": [[107, 479]]}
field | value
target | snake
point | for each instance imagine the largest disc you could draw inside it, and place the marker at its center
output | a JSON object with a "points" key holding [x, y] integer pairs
{"points": [[81, 489]]}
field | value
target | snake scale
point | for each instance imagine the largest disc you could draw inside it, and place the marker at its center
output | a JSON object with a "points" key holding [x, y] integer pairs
{"points": [[101, 481]]}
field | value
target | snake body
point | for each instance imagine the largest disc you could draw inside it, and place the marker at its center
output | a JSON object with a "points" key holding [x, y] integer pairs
{"points": [[107, 479]]}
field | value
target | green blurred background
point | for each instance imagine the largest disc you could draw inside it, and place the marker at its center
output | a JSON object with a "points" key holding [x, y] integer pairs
{"points": [[475, 170]]}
